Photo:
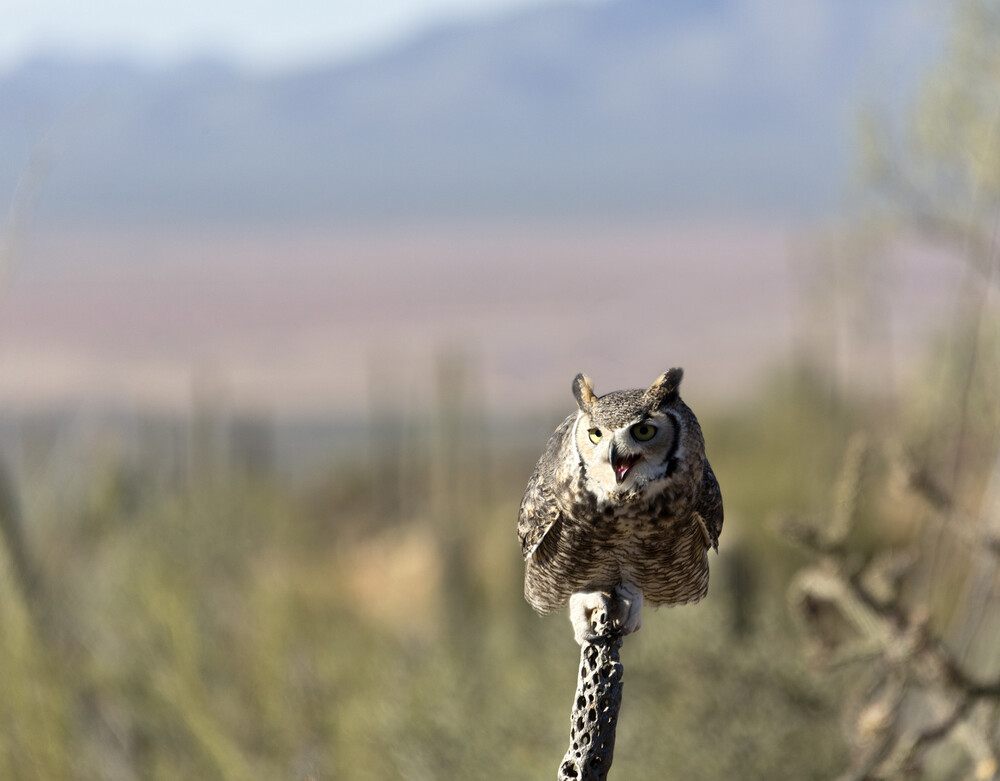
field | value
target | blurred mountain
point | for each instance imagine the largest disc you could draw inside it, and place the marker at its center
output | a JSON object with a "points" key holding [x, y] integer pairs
{"points": [[634, 107]]}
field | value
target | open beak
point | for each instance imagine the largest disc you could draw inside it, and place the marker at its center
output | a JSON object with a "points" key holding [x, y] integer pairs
{"points": [[621, 464]]}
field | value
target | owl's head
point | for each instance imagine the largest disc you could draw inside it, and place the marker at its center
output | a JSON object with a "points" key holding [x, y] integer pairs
{"points": [[631, 441]]}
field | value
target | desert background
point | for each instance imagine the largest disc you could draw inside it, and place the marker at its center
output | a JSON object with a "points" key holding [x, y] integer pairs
{"points": [[291, 301]]}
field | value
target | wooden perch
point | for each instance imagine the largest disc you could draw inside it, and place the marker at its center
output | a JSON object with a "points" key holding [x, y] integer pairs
{"points": [[595, 709]]}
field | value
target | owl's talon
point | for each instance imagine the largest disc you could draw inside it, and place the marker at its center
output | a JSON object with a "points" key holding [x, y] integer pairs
{"points": [[582, 606], [628, 613], [623, 609]]}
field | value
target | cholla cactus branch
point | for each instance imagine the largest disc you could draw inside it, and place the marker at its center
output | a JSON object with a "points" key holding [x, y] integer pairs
{"points": [[919, 694], [595, 709]]}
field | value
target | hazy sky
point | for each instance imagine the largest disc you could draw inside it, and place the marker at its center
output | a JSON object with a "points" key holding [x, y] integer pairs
{"points": [[258, 33]]}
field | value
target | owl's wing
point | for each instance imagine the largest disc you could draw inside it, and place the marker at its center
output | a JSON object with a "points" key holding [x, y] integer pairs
{"points": [[539, 513], [539, 509], [709, 505]]}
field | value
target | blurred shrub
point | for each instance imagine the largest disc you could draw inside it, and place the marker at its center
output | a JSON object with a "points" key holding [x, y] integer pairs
{"points": [[221, 629]]}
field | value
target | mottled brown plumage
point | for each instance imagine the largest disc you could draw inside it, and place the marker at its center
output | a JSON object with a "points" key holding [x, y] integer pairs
{"points": [[623, 503]]}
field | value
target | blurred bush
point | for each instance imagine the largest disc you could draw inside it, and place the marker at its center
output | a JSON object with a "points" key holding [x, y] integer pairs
{"points": [[229, 625]]}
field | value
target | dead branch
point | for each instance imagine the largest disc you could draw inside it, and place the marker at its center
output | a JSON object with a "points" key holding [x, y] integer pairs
{"points": [[594, 718]]}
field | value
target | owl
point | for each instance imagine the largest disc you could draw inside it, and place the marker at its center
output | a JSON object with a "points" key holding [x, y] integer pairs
{"points": [[621, 508]]}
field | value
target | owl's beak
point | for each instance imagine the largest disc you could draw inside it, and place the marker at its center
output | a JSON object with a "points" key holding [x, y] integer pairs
{"points": [[621, 464]]}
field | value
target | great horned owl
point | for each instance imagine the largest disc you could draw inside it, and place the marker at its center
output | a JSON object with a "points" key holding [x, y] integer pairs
{"points": [[621, 508]]}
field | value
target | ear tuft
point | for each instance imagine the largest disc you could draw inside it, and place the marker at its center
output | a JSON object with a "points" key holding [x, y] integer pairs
{"points": [[583, 392], [665, 389]]}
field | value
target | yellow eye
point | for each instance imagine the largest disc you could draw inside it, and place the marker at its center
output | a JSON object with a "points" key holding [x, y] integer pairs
{"points": [[643, 432], [595, 435]]}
